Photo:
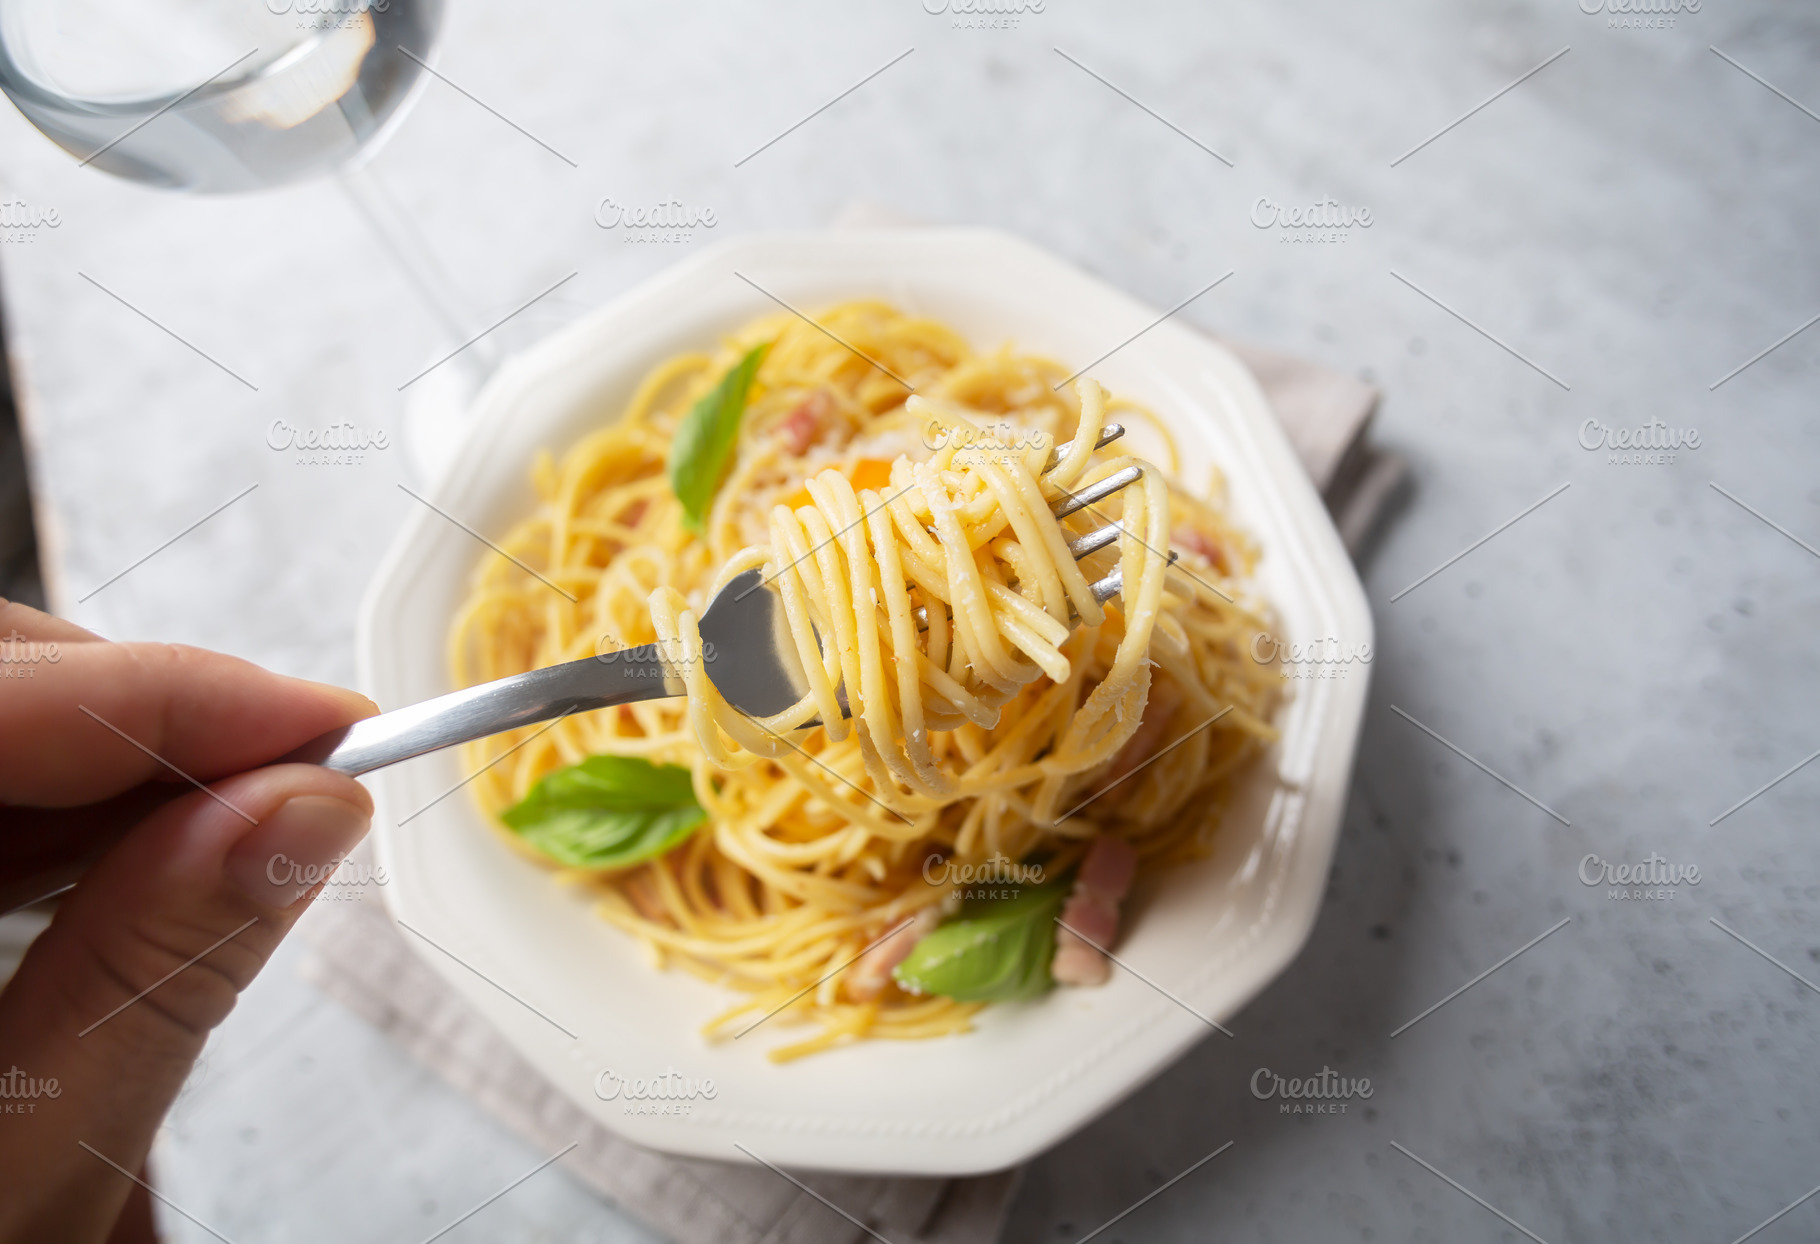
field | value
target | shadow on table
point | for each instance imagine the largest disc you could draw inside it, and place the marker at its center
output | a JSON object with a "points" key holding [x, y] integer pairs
{"points": [[1335, 1006], [19, 578]]}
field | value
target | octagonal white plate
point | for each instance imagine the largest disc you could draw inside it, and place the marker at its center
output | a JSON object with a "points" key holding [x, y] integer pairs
{"points": [[579, 1000]]}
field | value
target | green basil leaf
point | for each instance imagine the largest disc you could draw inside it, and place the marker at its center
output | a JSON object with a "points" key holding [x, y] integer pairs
{"points": [[608, 812], [997, 951], [705, 439]]}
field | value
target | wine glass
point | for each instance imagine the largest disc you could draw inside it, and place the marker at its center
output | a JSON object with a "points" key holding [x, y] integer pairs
{"points": [[214, 95], [218, 96]]}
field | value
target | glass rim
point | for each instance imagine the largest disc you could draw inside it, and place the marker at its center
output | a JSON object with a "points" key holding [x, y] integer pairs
{"points": [[20, 86]]}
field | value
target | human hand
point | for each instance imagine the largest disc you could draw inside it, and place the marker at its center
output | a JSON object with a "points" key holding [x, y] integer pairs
{"points": [[175, 911]]}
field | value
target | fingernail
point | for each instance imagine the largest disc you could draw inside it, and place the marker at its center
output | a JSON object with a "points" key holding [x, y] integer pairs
{"points": [[295, 849]]}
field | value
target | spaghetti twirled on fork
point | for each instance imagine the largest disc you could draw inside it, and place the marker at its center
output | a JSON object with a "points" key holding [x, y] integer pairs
{"points": [[927, 585]]}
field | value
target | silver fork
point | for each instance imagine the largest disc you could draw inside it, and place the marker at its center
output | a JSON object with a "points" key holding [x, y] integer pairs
{"points": [[746, 645]]}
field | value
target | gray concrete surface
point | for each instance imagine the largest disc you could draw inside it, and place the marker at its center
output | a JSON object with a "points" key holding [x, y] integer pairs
{"points": [[1638, 654]]}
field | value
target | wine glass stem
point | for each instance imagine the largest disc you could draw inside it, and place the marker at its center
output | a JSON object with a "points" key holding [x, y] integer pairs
{"points": [[400, 239]]}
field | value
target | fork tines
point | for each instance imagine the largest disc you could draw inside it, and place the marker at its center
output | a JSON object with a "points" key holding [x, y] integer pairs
{"points": [[1111, 432], [1100, 537]]}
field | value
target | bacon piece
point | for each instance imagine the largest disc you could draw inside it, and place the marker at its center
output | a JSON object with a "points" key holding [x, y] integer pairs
{"points": [[1108, 869], [1076, 962], [1092, 911], [867, 978], [807, 424], [634, 512], [1145, 741], [641, 888], [1193, 540]]}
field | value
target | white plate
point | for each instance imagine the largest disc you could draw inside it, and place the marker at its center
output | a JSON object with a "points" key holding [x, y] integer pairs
{"points": [[540, 966]]}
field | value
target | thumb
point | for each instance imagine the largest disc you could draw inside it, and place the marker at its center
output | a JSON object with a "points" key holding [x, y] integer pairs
{"points": [[114, 1001]]}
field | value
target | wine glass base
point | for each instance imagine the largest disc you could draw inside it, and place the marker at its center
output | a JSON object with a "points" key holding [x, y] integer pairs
{"points": [[437, 414]]}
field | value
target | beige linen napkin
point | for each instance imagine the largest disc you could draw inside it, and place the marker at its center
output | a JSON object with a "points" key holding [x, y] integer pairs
{"points": [[360, 958]]}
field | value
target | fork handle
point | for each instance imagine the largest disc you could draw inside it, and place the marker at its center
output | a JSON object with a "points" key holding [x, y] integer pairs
{"points": [[462, 716]]}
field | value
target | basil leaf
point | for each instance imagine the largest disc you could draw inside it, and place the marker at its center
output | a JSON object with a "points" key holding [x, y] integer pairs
{"points": [[705, 439], [1000, 954], [608, 812]]}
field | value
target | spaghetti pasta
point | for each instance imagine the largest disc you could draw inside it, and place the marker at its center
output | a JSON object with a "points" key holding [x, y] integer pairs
{"points": [[966, 691]]}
